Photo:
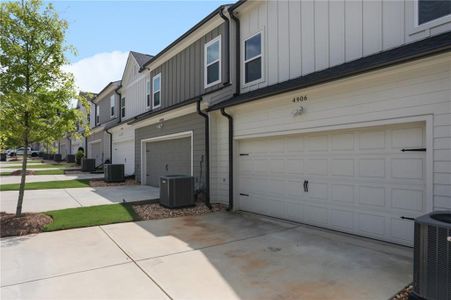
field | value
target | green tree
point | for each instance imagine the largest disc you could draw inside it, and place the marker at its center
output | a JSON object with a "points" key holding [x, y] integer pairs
{"points": [[35, 91]]}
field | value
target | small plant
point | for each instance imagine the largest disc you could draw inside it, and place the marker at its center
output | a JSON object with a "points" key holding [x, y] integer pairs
{"points": [[78, 156]]}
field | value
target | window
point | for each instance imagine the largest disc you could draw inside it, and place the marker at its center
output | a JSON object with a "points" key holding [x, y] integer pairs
{"points": [[112, 104], [97, 119], [429, 10], [212, 62], [253, 58], [148, 93], [156, 96], [123, 107]]}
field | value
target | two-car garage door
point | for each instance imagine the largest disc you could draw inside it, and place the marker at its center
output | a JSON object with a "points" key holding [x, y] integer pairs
{"points": [[357, 181]]}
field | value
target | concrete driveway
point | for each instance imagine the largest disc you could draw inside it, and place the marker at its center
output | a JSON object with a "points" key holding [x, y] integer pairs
{"points": [[42, 178], [215, 256], [45, 200]]}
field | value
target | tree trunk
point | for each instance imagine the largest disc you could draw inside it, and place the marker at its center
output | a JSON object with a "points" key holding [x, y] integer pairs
{"points": [[23, 177]]}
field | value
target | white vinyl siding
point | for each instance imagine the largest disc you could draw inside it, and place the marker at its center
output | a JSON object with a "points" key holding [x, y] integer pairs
{"points": [[301, 37], [112, 105], [156, 91], [212, 62], [420, 88]]}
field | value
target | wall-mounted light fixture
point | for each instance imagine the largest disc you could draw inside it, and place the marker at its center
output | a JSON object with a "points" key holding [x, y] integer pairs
{"points": [[160, 124], [298, 111]]}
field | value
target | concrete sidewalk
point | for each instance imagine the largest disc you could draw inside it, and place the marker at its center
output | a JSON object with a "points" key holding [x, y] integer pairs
{"points": [[53, 199], [214, 256], [42, 178]]}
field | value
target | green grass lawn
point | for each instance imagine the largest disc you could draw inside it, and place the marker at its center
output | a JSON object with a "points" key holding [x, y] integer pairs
{"points": [[90, 216], [39, 172], [63, 184], [43, 166]]}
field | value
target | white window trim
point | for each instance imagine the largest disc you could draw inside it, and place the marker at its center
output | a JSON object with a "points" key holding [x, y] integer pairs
{"points": [[148, 93], [123, 107], [153, 91], [112, 105], [244, 61], [425, 26], [216, 39]]}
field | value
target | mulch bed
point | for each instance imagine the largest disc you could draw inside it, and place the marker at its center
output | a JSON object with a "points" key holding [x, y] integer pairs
{"points": [[99, 183], [155, 211], [19, 172], [404, 293], [26, 224]]}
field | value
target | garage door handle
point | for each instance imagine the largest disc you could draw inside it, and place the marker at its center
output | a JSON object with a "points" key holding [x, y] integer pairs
{"points": [[415, 149], [306, 186]]}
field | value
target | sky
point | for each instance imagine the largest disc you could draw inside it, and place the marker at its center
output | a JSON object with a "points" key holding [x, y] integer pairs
{"points": [[104, 31]]}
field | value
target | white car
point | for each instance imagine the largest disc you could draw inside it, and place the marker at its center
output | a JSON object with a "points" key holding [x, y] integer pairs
{"points": [[21, 150]]}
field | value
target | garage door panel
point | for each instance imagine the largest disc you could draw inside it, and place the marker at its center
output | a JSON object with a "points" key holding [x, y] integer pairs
{"points": [[359, 181]]}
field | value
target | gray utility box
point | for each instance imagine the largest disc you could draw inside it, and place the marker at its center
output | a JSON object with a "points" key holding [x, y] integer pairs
{"points": [[58, 157], [51, 157], [70, 158], [432, 257], [88, 164], [114, 173], [3, 157], [176, 191]]}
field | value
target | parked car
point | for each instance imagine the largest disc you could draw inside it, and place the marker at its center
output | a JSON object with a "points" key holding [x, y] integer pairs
{"points": [[21, 150]]}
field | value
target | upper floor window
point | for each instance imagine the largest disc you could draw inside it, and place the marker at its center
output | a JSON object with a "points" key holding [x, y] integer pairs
{"points": [[253, 58], [97, 117], [156, 94], [112, 105], [429, 10], [148, 93], [212, 62], [123, 107]]}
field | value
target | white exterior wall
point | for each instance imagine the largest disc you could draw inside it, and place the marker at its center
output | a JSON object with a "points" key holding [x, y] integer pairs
{"points": [[419, 89], [134, 89], [301, 37]]}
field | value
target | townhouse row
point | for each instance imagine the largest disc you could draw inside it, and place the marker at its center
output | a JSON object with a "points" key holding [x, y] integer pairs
{"points": [[330, 113]]}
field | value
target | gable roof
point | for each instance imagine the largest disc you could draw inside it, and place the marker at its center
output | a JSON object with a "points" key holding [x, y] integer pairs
{"points": [[416, 50], [115, 83], [186, 34], [141, 58]]}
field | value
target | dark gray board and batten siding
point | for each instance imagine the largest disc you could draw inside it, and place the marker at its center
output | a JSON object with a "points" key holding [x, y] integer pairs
{"points": [[105, 108], [192, 122], [182, 76]]}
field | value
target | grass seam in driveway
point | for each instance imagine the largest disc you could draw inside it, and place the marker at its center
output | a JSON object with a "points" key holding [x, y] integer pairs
{"points": [[46, 185], [88, 216]]}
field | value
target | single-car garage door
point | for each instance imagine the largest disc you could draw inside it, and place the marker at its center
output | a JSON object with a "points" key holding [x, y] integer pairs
{"points": [[169, 157], [357, 181], [124, 153], [96, 152]]}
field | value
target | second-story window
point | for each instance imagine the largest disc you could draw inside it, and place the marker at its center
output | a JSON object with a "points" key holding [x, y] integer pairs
{"points": [[429, 10], [253, 58], [123, 107], [97, 119], [156, 93], [112, 105], [212, 62], [148, 93]]}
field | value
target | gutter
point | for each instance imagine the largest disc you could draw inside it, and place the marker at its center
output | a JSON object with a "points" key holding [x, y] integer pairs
{"points": [[230, 119], [111, 146], [120, 101], [237, 48], [207, 153], [227, 40]]}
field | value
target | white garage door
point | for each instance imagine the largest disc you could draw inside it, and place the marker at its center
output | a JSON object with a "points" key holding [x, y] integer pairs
{"points": [[124, 153], [357, 181]]}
